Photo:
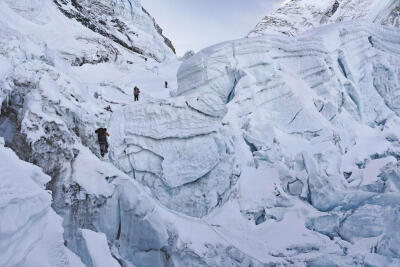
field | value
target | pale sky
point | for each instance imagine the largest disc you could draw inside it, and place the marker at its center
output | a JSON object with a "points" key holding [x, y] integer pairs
{"points": [[196, 24]]}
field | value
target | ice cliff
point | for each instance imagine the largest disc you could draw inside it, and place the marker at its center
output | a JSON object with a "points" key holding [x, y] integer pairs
{"points": [[272, 150]]}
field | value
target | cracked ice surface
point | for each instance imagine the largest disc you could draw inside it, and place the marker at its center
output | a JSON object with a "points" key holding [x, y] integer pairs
{"points": [[296, 103], [178, 152]]}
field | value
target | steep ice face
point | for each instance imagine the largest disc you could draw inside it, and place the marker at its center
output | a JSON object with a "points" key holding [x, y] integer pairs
{"points": [[295, 17], [125, 22], [181, 154], [28, 227]]}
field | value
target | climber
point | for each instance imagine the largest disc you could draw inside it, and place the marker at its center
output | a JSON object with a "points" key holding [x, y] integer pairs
{"points": [[145, 59], [136, 92], [166, 84], [102, 138]]}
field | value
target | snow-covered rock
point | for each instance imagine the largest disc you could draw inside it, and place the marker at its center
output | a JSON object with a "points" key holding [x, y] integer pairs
{"points": [[295, 17], [124, 22]]}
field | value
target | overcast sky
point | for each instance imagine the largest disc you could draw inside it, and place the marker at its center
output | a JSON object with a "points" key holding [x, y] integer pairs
{"points": [[196, 24]]}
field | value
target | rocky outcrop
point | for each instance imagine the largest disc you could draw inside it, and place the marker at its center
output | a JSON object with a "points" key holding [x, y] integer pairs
{"points": [[160, 31], [126, 23]]}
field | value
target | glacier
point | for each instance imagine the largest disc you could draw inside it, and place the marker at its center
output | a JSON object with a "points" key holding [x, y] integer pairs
{"points": [[268, 151]]}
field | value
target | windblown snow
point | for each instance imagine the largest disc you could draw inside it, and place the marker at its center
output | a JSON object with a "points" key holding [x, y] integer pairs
{"points": [[264, 151]]}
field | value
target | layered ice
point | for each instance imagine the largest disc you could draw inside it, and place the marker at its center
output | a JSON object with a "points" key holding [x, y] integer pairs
{"points": [[295, 101], [180, 153]]}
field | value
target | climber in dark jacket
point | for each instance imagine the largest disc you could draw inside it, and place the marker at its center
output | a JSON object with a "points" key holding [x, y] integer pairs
{"points": [[102, 138], [136, 92]]}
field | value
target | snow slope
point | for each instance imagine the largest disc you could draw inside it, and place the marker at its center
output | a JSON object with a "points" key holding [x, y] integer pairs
{"points": [[295, 17], [272, 151]]}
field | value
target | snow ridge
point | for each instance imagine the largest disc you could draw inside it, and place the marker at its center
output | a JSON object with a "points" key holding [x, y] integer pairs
{"points": [[295, 17]]}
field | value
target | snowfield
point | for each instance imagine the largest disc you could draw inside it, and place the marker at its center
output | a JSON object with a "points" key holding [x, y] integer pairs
{"points": [[264, 151]]}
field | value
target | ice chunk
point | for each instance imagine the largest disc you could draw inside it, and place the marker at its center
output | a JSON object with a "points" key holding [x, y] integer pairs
{"points": [[389, 244], [327, 225], [164, 119], [295, 188], [391, 172], [323, 195], [367, 221], [181, 154], [98, 249], [181, 158]]}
